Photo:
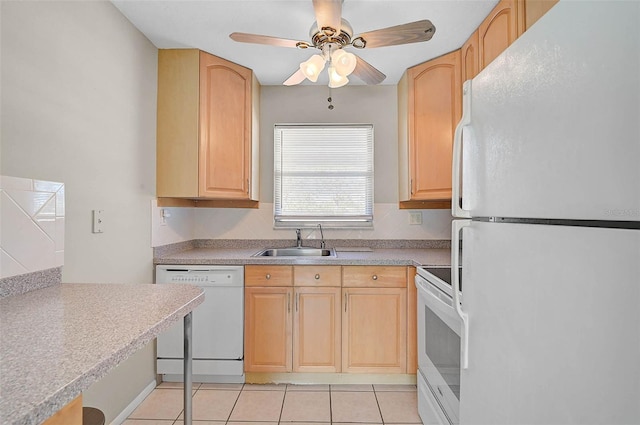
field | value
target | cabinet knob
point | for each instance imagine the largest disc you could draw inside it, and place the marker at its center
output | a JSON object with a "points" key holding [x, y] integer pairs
{"points": [[374, 277], [317, 276], [268, 276]]}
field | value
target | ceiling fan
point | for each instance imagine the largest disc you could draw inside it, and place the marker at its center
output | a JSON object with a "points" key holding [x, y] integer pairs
{"points": [[331, 34]]}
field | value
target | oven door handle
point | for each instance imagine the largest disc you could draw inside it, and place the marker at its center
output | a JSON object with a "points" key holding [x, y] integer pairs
{"points": [[456, 230], [422, 285], [439, 306]]}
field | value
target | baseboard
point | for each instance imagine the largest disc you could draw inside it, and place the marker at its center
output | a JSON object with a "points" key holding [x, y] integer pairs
{"points": [[135, 403], [329, 378]]}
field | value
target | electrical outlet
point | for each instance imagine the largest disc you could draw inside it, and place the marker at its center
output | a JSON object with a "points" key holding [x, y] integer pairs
{"points": [[98, 221], [164, 215], [415, 217]]}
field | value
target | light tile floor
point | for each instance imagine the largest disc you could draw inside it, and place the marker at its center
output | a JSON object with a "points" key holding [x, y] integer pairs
{"points": [[250, 404]]}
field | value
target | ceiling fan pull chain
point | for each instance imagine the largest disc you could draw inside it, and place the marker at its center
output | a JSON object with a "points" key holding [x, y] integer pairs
{"points": [[329, 99]]}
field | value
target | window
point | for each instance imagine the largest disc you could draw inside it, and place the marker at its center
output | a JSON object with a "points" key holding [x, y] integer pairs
{"points": [[323, 174]]}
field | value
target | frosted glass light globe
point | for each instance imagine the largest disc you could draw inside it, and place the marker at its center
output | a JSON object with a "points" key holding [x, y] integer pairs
{"points": [[344, 62], [312, 67]]}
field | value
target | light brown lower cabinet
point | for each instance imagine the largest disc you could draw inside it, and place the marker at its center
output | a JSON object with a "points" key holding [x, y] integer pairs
{"points": [[412, 321], [316, 330], [70, 414], [327, 319], [293, 329], [374, 330], [268, 326]]}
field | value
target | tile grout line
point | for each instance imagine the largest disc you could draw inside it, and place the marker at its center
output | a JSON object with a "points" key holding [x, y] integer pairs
{"points": [[284, 397], [375, 394], [234, 404], [330, 408]]}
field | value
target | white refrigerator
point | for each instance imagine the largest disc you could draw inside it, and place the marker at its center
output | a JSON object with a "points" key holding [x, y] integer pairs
{"points": [[547, 179]]}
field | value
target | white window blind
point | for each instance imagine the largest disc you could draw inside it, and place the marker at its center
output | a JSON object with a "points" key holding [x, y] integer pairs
{"points": [[323, 174]]}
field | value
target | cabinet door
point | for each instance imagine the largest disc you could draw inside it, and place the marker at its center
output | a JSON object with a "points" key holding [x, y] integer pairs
{"points": [[268, 321], [225, 129], [497, 31], [470, 58], [435, 98], [316, 330], [374, 330]]}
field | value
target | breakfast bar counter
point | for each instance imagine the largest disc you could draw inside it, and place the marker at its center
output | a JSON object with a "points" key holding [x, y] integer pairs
{"points": [[57, 341]]}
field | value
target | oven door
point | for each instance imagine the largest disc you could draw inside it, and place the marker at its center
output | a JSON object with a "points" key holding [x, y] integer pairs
{"points": [[439, 329]]}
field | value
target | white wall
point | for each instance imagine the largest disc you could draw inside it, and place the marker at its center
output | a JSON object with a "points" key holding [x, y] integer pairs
{"points": [[375, 105], [78, 88]]}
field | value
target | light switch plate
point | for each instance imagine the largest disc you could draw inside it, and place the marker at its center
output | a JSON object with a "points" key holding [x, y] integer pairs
{"points": [[415, 217], [98, 221]]}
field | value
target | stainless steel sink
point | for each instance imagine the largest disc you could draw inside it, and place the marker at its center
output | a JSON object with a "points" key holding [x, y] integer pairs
{"points": [[296, 252]]}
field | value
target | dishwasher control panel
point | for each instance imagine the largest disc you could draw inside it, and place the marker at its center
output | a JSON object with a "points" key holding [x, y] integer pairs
{"points": [[197, 275]]}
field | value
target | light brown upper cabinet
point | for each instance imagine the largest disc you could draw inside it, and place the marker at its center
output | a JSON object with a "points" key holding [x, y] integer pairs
{"points": [[532, 10], [507, 21], [470, 57], [429, 108], [498, 31], [207, 131]]}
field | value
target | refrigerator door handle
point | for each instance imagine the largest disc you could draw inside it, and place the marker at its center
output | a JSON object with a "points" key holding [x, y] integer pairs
{"points": [[456, 229], [456, 186]]}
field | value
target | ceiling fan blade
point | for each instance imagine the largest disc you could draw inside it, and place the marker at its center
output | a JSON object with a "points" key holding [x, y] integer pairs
{"points": [[265, 39], [412, 32], [296, 78], [367, 73], [328, 13]]}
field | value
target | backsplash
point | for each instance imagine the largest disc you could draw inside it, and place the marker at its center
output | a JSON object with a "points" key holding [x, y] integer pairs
{"points": [[185, 224], [31, 225]]}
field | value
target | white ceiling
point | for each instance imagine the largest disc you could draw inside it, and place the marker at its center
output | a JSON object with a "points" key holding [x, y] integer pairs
{"points": [[206, 25]]}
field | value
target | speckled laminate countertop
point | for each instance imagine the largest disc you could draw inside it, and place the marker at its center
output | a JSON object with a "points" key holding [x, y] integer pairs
{"points": [[242, 256], [55, 342]]}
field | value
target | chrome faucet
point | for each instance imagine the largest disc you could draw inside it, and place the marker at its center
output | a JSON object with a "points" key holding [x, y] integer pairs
{"points": [[322, 244], [298, 239]]}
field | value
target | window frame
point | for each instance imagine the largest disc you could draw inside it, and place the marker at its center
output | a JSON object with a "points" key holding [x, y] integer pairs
{"points": [[364, 220]]}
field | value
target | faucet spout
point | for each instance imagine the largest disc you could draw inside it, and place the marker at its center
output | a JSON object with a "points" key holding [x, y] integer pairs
{"points": [[322, 244], [298, 238]]}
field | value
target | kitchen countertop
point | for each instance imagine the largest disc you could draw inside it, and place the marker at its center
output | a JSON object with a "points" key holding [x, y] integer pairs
{"points": [[55, 342], [242, 256]]}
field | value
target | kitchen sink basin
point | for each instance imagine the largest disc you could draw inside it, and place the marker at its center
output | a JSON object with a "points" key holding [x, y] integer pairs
{"points": [[296, 252]]}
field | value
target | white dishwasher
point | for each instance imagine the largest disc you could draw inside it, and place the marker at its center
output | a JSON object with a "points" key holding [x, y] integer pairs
{"points": [[217, 326]]}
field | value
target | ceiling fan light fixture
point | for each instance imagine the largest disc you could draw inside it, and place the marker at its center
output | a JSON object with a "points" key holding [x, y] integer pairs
{"points": [[344, 62], [312, 67], [335, 79]]}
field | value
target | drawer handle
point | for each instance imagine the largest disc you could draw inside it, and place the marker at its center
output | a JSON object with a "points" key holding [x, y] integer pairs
{"points": [[268, 276], [317, 276], [374, 277]]}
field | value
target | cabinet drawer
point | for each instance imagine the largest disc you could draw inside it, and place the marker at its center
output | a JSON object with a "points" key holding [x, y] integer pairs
{"points": [[268, 276], [374, 276], [316, 275]]}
